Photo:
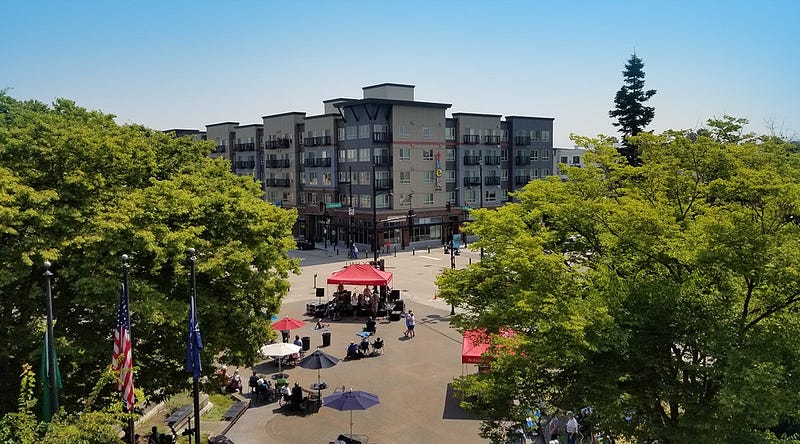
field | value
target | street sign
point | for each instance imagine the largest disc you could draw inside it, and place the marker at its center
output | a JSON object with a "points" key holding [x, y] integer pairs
{"points": [[333, 205], [351, 211]]}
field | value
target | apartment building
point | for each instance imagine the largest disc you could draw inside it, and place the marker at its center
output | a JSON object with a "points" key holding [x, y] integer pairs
{"points": [[386, 168], [567, 156]]}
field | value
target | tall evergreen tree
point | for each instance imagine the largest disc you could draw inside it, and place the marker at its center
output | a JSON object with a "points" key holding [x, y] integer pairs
{"points": [[631, 114]]}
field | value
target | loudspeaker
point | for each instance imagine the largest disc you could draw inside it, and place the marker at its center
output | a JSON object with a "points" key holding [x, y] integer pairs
{"points": [[394, 296], [320, 292]]}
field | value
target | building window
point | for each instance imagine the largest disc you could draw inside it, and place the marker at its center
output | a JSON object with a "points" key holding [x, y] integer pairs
{"points": [[363, 177], [341, 134], [405, 132], [405, 153], [563, 159], [545, 172], [405, 200], [450, 176], [534, 173], [575, 160], [351, 155], [302, 198], [363, 155], [427, 199], [450, 155], [490, 196], [302, 178], [545, 136], [545, 154], [451, 197], [351, 132], [365, 200], [534, 154], [426, 233], [405, 176], [427, 176], [382, 201], [504, 175], [504, 194], [471, 198], [326, 179], [312, 178], [504, 136], [343, 177], [363, 131], [534, 135], [427, 154], [503, 155], [450, 134], [427, 133], [342, 155]]}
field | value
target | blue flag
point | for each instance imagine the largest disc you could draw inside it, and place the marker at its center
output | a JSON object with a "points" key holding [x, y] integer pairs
{"points": [[193, 344]]}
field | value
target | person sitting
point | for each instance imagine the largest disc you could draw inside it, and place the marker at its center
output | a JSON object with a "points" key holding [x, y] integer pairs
{"points": [[253, 382], [320, 325], [235, 384], [352, 351], [286, 392], [263, 389], [296, 396], [363, 347], [297, 341], [370, 327], [377, 347]]}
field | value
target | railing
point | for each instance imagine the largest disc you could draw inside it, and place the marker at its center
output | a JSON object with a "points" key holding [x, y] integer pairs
{"points": [[522, 160], [522, 140], [220, 149], [317, 162], [522, 180], [470, 139], [491, 160], [491, 140], [251, 146], [275, 144], [383, 184], [492, 180], [283, 183], [381, 137], [277, 163], [380, 160], [245, 164], [472, 160], [472, 181]]}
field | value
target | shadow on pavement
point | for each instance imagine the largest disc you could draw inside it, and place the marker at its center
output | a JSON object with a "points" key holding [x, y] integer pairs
{"points": [[452, 409]]}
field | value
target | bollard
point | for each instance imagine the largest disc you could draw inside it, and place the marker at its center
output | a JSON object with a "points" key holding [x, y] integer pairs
{"points": [[337, 251], [413, 252], [315, 280], [429, 249], [395, 251], [470, 261]]}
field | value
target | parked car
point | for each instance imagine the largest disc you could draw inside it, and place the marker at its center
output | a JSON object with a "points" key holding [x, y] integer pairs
{"points": [[304, 244]]}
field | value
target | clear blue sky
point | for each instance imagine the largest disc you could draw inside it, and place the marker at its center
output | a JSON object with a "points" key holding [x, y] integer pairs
{"points": [[184, 64]]}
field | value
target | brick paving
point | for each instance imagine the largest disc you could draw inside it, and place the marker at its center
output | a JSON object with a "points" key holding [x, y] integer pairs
{"points": [[411, 378]]}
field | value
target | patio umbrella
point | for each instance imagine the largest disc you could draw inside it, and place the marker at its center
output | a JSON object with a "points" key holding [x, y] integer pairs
{"points": [[279, 349], [351, 400], [316, 361], [288, 323]]}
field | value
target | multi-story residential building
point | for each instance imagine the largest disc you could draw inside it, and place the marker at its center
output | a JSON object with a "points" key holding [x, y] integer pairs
{"points": [[568, 156], [386, 168]]}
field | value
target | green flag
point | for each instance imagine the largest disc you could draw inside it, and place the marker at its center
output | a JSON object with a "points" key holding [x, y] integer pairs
{"points": [[44, 376]]}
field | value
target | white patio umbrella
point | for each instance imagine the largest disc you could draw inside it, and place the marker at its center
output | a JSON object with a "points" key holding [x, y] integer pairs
{"points": [[279, 349]]}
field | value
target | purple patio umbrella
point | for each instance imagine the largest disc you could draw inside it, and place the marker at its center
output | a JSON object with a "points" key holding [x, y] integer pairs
{"points": [[351, 400], [316, 361]]}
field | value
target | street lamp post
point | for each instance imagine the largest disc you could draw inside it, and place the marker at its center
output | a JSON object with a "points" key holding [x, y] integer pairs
{"points": [[51, 349], [374, 217], [195, 377]]}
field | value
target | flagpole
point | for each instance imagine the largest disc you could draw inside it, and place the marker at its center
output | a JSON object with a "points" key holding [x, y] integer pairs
{"points": [[51, 349], [125, 267], [195, 374]]}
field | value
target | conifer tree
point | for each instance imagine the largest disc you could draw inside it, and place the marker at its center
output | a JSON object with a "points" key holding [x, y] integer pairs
{"points": [[631, 114]]}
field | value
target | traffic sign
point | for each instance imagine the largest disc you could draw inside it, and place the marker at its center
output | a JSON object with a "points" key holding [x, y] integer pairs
{"points": [[351, 211], [333, 205]]}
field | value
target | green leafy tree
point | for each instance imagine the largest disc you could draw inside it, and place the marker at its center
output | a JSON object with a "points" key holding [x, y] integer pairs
{"points": [[664, 297], [79, 190], [629, 110]]}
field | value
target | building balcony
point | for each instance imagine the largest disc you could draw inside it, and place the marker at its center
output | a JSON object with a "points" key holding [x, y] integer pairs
{"points": [[472, 139], [491, 160], [472, 160], [317, 162], [522, 180], [317, 141], [245, 146], [277, 163], [381, 160], [383, 184], [280, 183], [276, 144], [472, 181], [522, 160], [522, 140], [381, 137], [491, 180], [245, 164], [220, 149], [491, 140]]}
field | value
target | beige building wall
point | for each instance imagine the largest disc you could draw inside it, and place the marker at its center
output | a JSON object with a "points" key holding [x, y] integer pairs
{"points": [[283, 126], [420, 129], [220, 134]]}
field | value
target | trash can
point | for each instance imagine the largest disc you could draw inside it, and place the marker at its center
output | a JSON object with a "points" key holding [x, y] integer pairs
{"points": [[326, 339], [306, 343]]}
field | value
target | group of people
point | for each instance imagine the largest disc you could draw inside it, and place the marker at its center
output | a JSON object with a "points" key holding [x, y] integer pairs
{"points": [[347, 301], [362, 349], [262, 387], [553, 427]]}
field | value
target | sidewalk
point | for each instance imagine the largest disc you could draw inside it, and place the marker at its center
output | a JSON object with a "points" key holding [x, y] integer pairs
{"points": [[412, 378]]}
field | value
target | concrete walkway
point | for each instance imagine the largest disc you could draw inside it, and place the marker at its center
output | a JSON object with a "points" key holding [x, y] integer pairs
{"points": [[412, 378]]}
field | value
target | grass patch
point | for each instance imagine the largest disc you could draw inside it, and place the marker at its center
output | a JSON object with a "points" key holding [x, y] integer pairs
{"points": [[221, 403]]}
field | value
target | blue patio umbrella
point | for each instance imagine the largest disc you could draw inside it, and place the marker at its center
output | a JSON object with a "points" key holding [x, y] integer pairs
{"points": [[351, 400]]}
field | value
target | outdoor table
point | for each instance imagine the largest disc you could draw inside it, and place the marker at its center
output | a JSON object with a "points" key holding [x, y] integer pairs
{"points": [[319, 386], [363, 334]]}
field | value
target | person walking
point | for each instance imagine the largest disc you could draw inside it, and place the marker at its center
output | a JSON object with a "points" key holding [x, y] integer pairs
{"points": [[410, 323], [572, 429]]}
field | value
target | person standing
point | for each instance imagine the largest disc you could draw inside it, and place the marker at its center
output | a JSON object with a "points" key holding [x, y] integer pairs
{"points": [[572, 429], [410, 323], [551, 433]]}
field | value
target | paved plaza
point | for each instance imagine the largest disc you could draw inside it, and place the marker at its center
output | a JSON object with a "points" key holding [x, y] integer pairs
{"points": [[412, 377]]}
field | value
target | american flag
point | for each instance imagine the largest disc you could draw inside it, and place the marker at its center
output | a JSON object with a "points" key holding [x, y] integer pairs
{"points": [[122, 358]]}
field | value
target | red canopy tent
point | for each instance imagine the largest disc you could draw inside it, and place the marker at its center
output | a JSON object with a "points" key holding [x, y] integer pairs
{"points": [[360, 274], [477, 342]]}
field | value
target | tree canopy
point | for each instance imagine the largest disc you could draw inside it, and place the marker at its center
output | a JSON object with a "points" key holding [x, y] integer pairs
{"points": [[663, 296], [629, 109], [79, 190]]}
